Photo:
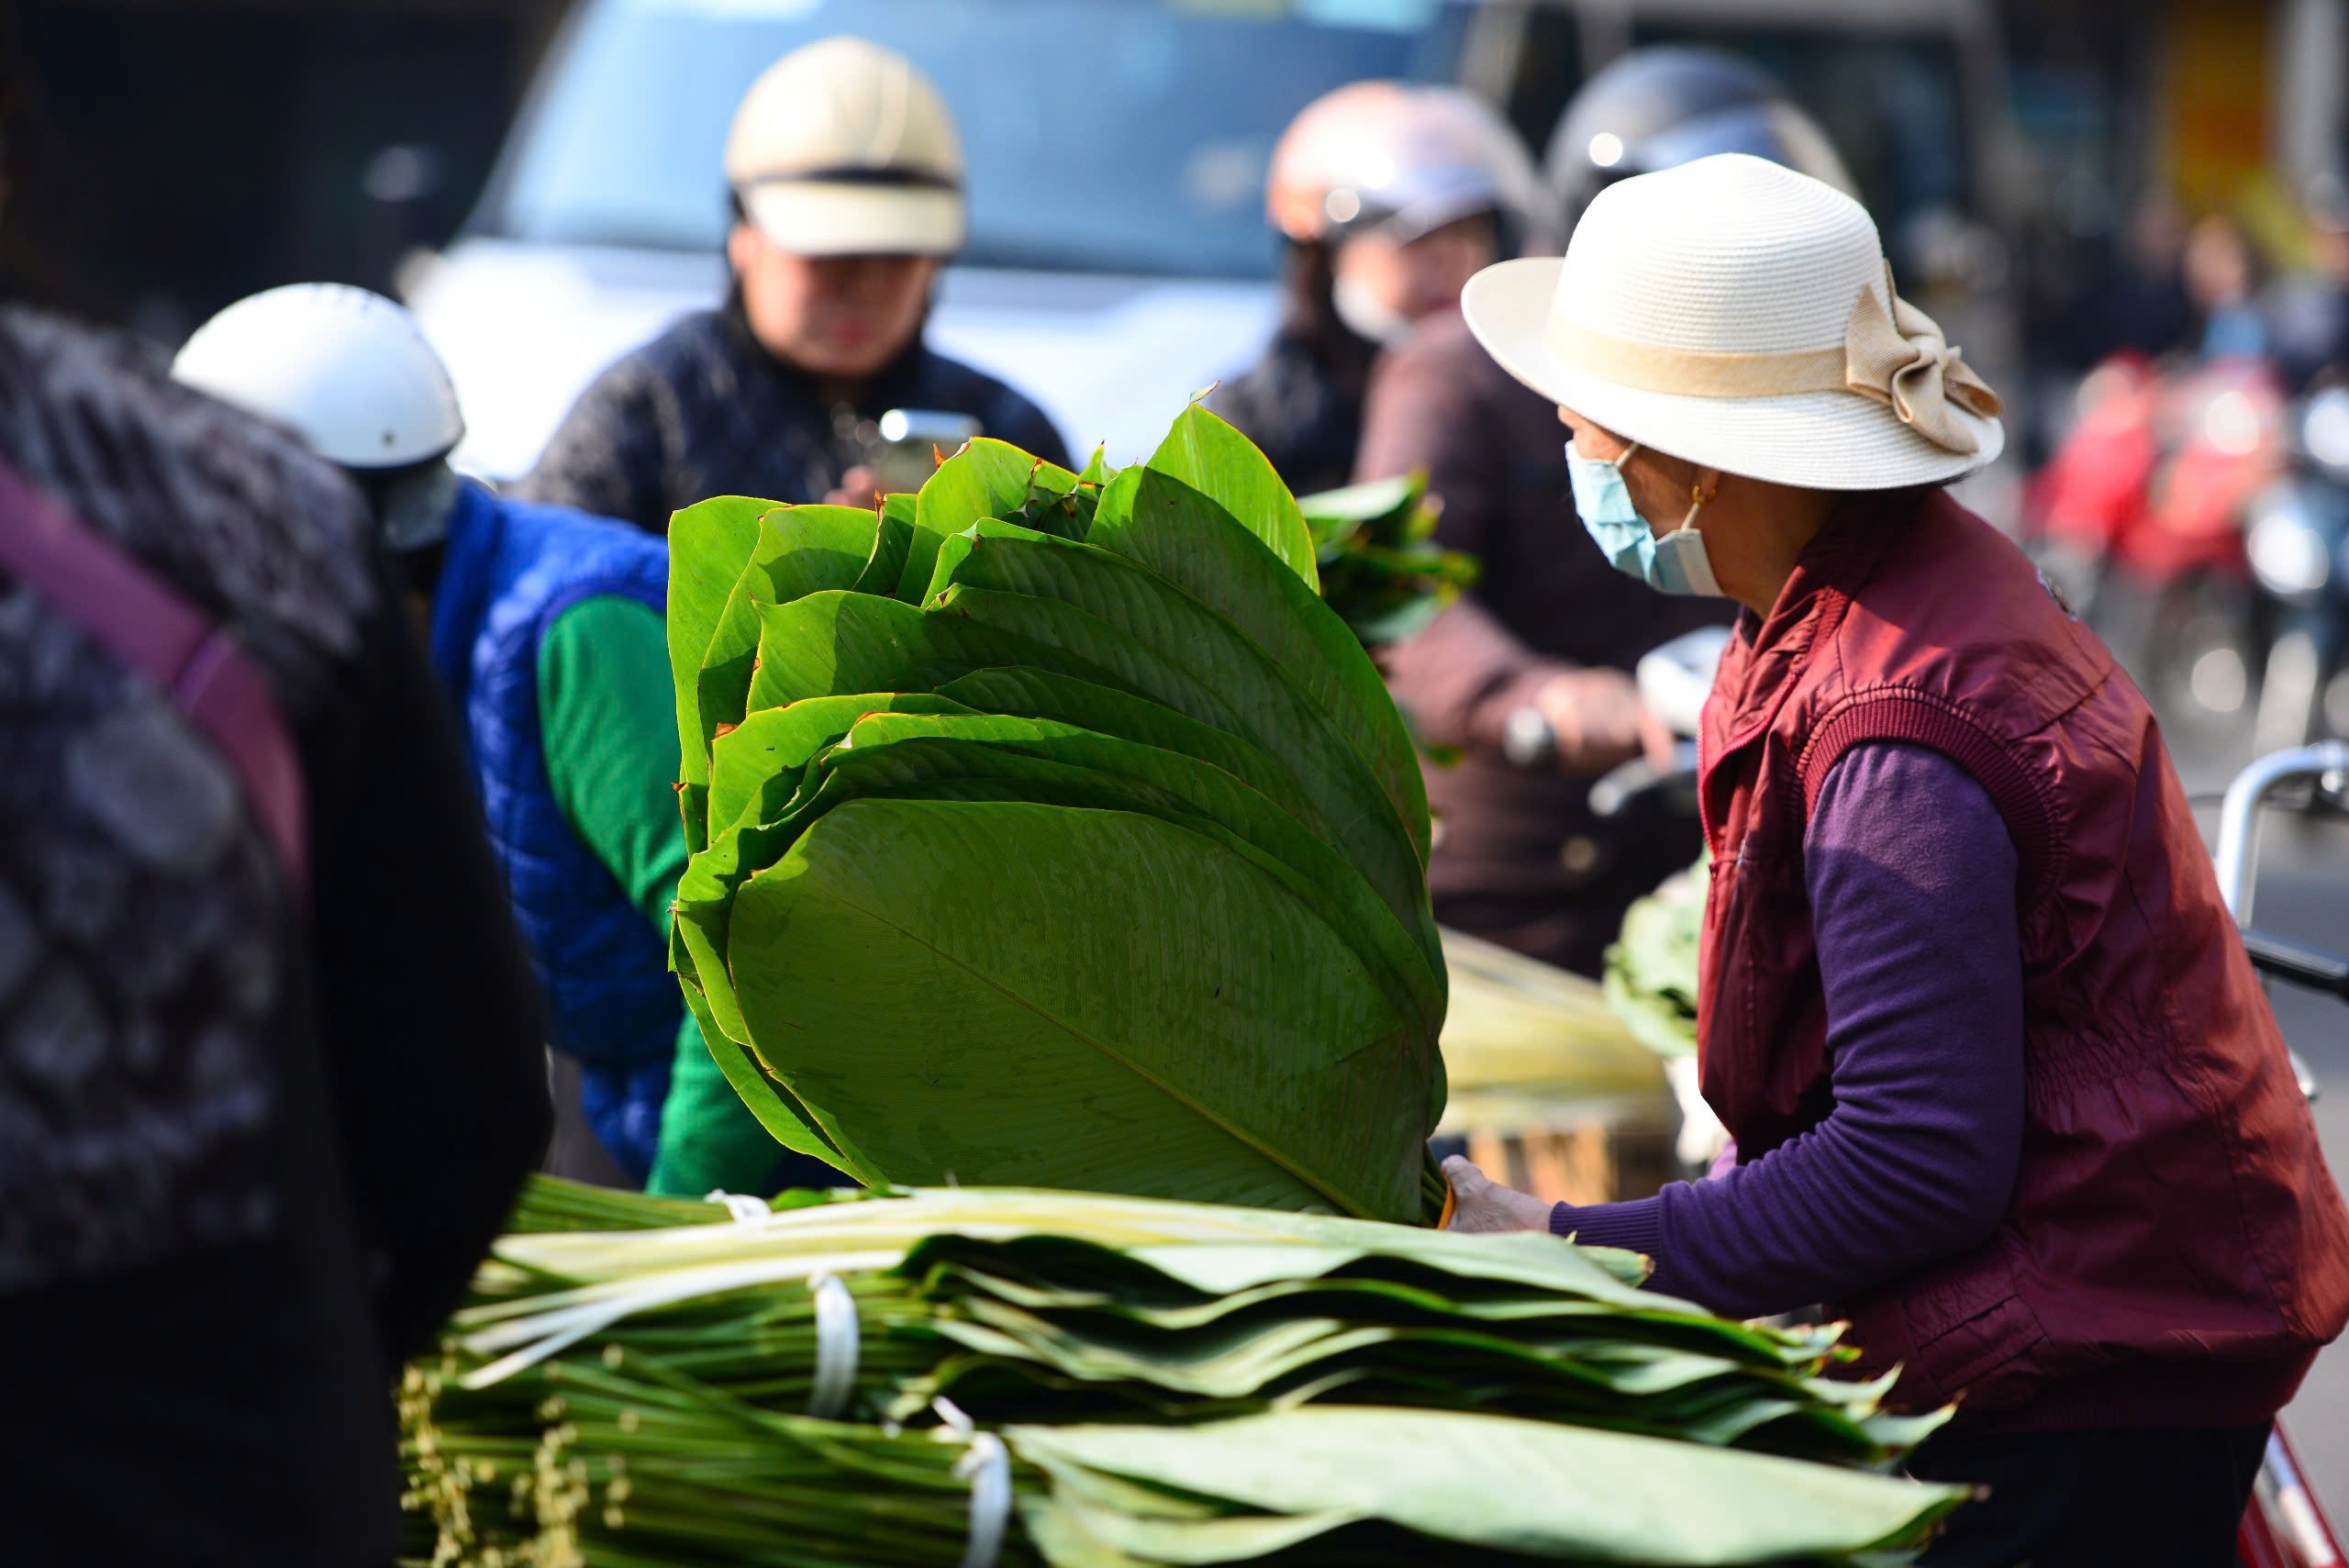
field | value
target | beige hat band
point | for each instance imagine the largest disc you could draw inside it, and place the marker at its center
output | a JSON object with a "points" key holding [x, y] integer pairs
{"points": [[1899, 359]]}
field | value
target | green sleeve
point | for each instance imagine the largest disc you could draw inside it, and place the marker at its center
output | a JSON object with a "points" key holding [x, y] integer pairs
{"points": [[607, 718], [709, 1137], [607, 721]]}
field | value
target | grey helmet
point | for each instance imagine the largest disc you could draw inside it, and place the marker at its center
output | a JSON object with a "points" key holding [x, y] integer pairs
{"points": [[1670, 104]]}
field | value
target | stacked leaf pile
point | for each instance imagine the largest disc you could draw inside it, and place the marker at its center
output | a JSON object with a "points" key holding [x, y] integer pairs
{"points": [[1651, 977], [1177, 1383], [1049, 828], [1381, 569]]}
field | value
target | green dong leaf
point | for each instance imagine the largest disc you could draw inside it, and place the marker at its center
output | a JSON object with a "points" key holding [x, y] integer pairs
{"points": [[1220, 463], [945, 943]]}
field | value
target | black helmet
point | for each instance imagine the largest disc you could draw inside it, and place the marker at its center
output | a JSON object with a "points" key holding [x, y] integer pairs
{"points": [[1669, 104]]}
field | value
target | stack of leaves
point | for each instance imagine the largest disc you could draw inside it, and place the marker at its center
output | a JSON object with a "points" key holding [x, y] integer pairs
{"points": [[1053, 1328], [640, 1397], [1329, 1487], [1381, 569], [1049, 828], [1651, 976]]}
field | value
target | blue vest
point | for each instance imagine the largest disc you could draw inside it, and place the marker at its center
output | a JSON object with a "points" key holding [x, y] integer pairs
{"points": [[511, 568]]}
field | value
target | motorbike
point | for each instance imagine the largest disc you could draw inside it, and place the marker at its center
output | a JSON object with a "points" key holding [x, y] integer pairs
{"points": [[2139, 523], [2297, 544], [2284, 1526]]}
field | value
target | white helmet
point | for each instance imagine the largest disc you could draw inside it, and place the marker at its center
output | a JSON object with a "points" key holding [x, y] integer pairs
{"points": [[841, 146], [346, 370], [1401, 158]]}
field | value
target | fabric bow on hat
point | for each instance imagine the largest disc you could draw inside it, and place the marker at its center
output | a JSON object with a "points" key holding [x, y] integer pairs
{"points": [[1902, 359]]}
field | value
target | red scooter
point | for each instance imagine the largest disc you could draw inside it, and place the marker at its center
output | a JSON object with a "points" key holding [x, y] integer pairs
{"points": [[2138, 521]]}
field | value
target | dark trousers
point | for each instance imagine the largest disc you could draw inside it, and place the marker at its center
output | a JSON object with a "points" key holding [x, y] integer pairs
{"points": [[2086, 1499]]}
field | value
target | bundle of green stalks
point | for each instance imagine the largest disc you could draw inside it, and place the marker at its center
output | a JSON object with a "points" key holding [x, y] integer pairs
{"points": [[620, 1462], [1175, 1382]]}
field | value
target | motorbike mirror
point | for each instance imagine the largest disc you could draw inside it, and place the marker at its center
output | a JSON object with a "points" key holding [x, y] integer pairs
{"points": [[1676, 677], [2324, 427], [2286, 545]]}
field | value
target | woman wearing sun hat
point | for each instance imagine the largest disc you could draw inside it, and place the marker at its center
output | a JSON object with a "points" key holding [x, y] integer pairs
{"points": [[2005, 1090]]}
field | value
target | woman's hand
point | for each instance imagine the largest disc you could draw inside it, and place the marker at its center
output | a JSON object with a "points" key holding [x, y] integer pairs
{"points": [[1481, 1203]]}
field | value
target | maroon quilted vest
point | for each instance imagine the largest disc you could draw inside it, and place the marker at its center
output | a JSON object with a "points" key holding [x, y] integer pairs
{"points": [[2175, 1249]]}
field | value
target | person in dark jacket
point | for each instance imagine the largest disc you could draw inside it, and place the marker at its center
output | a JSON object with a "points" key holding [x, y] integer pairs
{"points": [[1543, 644], [847, 185], [1387, 197], [253, 1142], [1528, 676], [2005, 1091]]}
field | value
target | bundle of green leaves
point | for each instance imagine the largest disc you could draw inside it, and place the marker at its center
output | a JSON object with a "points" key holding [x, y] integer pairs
{"points": [[1049, 828], [1382, 570], [1651, 977], [1179, 1382], [1324, 1486]]}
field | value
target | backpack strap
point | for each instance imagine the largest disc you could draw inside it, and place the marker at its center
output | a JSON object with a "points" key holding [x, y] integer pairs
{"points": [[136, 617], [1917, 719]]}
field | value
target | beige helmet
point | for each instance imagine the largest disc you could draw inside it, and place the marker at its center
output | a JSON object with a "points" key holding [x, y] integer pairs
{"points": [[1401, 158], [842, 148]]}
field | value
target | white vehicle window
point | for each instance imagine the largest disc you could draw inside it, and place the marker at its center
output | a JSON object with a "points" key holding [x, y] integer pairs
{"points": [[1125, 135]]}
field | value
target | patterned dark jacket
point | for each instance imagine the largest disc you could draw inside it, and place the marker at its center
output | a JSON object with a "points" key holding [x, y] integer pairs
{"points": [[249, 1152], [703, 410]]}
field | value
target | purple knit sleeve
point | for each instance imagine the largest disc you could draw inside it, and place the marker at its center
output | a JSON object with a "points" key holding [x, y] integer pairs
{"points": [[1911, 877]]}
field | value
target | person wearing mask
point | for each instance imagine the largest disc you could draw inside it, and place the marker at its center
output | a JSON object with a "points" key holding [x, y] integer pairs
{"points": [[2005, 1091], [270, 1060], [847, 191], [1387, 196], [546, 628], [1528, 674]]}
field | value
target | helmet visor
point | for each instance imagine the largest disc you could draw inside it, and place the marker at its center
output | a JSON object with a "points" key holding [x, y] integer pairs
{"points": [[824, 217]]}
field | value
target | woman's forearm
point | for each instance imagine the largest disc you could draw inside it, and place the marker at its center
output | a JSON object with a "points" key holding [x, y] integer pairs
{"points": [[1911, 880]]}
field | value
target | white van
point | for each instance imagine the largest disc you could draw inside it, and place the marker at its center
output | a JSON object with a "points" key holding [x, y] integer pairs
{"points": [[1119, 259]]}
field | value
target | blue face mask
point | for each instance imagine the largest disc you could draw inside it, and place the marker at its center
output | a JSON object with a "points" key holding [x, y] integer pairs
{"points": [[1676, 563]]}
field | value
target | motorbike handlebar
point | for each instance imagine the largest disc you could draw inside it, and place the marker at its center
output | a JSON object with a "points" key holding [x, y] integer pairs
{"points": [[2306, 966], [1639, 779]]}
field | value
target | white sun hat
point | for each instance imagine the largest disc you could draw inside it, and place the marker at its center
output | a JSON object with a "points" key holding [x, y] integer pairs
{"points": [[1741, 316], [841, 148]]}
